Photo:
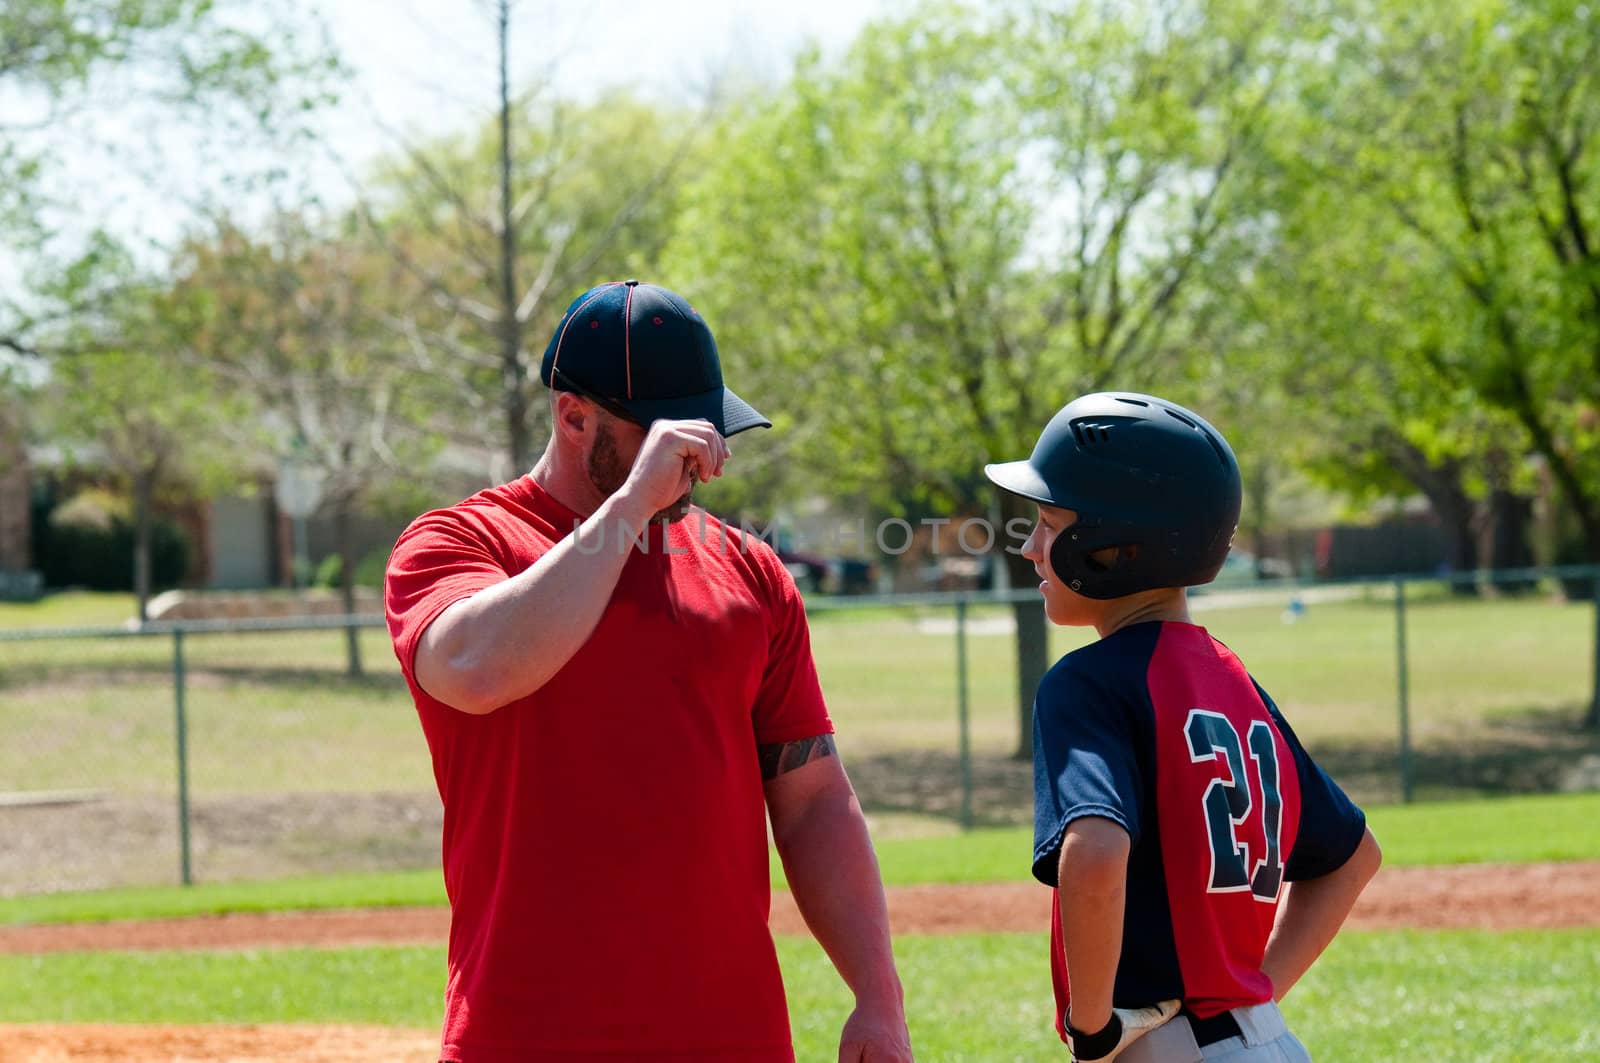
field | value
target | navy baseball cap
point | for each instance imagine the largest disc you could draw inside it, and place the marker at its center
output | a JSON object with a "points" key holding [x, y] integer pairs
{"points": [[643, 353]]}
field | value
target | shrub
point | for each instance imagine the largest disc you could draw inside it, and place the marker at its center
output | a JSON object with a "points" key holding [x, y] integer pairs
{"points": [[369, 570], [89, 541]]}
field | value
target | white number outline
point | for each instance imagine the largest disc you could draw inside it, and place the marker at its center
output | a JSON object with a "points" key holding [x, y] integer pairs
{"points": [[1273, 836]]}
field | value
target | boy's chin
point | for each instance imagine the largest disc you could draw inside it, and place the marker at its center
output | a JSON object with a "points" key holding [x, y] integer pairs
{"points": [[1068, 613]]}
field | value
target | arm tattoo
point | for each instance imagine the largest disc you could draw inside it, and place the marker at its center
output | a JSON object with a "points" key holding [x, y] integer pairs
{"points": [[781, 757]]}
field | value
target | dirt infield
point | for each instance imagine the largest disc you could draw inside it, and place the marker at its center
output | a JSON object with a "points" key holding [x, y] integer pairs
{"points": [[216, 1044], [1470, 896], [1477, 896]]}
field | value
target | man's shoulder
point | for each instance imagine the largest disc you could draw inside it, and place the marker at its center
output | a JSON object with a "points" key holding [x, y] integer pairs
{"points": [[488, 515], [743, 536], [739, 543]]}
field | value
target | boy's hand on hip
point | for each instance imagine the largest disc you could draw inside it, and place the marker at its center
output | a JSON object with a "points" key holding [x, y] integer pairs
{"points": [[1127, 1025]]}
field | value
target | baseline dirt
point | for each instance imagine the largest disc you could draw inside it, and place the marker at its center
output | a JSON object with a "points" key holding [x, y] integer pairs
{"points": [[48, 1043], [1481, 896], [1470, 896]]}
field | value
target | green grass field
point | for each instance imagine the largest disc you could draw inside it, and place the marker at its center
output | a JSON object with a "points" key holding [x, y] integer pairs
{"points": [[1505, 830], [978, 998], [265, 708], [282, 743]]}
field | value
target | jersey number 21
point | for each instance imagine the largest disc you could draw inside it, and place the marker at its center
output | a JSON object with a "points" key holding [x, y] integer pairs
{"points": [[1228, 804]]}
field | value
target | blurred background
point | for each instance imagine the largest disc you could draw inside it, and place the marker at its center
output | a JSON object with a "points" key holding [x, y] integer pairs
{"points": [[275, 278]]}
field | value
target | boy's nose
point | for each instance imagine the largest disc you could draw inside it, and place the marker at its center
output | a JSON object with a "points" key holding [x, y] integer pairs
{"points": [[1030, 548]]}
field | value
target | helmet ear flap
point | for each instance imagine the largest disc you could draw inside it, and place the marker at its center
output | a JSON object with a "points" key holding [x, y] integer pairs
{"points": [[1072, 558], [1064, 562]]}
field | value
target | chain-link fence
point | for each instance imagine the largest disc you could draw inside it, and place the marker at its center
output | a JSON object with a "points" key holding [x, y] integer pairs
{"points": [[251, 749]]}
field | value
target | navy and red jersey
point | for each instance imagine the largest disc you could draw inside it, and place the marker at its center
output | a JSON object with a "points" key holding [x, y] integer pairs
{"points": [[1159, 728], [605, 838]]}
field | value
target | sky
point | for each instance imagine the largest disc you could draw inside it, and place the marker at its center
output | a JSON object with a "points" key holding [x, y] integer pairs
{"points": [[417, 67], [423, 61]]}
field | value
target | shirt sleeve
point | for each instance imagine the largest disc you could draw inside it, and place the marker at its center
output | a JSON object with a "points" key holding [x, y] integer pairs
{"points": [[789, 704], [1084, 763], [437, 561], [1331, 825]]}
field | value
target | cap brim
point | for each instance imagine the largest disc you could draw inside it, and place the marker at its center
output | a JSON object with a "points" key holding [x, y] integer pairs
{"points": [[1020, 478], [726, 411]]}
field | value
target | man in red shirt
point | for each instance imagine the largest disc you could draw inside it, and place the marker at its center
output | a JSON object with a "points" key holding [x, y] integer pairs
{"points": [[616, 690]]}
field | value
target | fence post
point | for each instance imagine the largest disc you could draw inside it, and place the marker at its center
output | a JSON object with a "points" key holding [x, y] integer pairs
{"points": [[962, 714], [1594, 686], [1405, 688], [182, 729]]}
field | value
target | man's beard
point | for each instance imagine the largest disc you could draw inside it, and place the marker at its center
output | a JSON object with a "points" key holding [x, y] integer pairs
{"points": [[608, 474]]}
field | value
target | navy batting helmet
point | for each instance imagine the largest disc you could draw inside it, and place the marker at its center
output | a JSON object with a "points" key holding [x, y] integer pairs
{"points": [[1140, 472]]}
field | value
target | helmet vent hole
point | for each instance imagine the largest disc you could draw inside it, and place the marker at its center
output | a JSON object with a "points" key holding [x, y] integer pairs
{"points": [[1133, 402], [1176, 416], [1089, 434]]}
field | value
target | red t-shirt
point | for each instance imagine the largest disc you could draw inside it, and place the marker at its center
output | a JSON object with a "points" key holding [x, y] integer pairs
{"points": [[605, 841]]}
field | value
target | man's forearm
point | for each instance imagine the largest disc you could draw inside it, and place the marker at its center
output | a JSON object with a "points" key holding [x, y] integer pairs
{"points": [[834, 878], [506, 641]]}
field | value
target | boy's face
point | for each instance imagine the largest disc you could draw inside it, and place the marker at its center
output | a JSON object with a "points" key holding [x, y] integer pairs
{"points": [[1061, 604]]}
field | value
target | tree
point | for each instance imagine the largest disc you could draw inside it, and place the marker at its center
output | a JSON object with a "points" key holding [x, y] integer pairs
{"points": [[500, 228], [188, 57], [1460, 140], [60, 62], [122, 407], [296, 320], [1360, 407], [930, 246], [1475, 129]]}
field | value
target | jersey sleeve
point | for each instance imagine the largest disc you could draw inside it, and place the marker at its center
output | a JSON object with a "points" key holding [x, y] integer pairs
{"points": [[789, 704], [1331, 825], [437, 561], [1084, 763]]}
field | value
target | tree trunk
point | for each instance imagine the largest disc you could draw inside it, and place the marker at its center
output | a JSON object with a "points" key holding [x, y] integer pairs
{"points": [[1509, 546], [1592, 721], [1440, 483], [1033, 628], [143, 493], [512, 372], [1258, 498], [16, 492], [1033, 660], [1592, 538], [347, 584]]}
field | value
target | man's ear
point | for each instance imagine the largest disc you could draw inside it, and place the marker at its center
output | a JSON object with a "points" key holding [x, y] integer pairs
{"points": [[573, 416]]}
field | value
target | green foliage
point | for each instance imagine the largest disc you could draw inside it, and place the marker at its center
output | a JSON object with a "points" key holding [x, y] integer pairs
{"points": [[321, 383], [924, 249], [328, 571], [122, 409], [1434, 279], [89, 540], [186, 56], [369, 570], [594, 193]]}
